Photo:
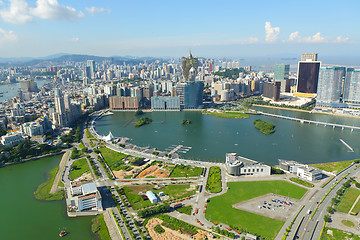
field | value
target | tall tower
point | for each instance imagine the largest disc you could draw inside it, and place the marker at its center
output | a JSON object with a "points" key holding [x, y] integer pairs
{"points": [[309, 57], [91, 65], [352, 86], [189, 63], [60, 115], [329, 87], [281, 74]]}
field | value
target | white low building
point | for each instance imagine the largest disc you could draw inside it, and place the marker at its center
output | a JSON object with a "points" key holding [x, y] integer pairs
{"points": [[309, 173], [11, 139], [237, 165], [85, 197]]}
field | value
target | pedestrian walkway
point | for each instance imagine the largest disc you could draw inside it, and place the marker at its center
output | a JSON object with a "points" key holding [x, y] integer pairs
{"points": [[111, 225], [64, 158]]}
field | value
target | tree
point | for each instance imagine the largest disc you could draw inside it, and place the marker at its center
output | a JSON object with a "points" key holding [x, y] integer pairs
{"points": [[327, 218], [330, 210]]}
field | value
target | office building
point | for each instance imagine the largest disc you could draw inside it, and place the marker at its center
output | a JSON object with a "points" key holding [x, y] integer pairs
{"points": [[309, 173], [123, 103], [90, 69], [309, 57], [308, 75], [281, 74], [272, 90], [84, 197], [190, 94], [352, 86], [165, 103], [11, 139], [60, 115], [190, 67], [28, 86], [329, 86], [237, 165]]}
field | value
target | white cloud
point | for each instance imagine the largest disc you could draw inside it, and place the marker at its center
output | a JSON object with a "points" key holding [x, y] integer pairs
{"points": [[51, 9], [19, 11], [294, 36], [74, 39], [94, 10], [271, 33], [7, 36], [340, 39], [317, 38]]}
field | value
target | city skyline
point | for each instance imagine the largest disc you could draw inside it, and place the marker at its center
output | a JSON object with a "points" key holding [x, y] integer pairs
{"points": [[45, 27]]}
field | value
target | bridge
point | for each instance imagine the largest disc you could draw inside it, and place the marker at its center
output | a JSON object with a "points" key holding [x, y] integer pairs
{"points": [[325, 124]]}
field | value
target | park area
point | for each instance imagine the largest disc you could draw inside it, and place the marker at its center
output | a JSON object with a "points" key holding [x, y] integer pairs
{"points": [[349, 200], [333, 167], [78, 168], [186, 171], [220, 209], [134, 193]]}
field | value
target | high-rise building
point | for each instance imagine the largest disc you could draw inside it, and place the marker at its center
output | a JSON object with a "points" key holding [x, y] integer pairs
{"points": [[272, 90], [281, 74], [190, 94], [352, 86], [123, 103], [60, 115], [329, 87], [190, 63], [28, 86], [91, 65], [308, 75], [309, 57]]}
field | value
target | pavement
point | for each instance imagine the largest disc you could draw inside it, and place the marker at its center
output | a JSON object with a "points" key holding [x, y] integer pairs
{"points": [[64, 158], [112, 225]]}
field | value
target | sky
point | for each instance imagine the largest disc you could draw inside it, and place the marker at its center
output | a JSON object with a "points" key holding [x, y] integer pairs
{"points": [[239, 28]]}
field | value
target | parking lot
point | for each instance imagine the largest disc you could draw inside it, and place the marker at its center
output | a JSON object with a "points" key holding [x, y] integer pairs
{"points": [[270, 205]]}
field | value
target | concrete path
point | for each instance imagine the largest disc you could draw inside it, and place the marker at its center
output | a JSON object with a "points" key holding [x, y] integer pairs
{"points": [[64, 158], [357, 199], [111, 225]]}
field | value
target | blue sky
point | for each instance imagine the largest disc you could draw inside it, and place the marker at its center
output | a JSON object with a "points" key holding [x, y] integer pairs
{"points": [[239, 28]]}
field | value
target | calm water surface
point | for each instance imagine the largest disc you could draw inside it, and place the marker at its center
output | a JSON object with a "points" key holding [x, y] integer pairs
{"points": [[212, 137], [23, 217]]}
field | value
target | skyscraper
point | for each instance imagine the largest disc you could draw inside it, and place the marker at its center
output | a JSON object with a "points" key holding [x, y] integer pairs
{"points": [[59, 115], [309, 57], [281, 74], [190, 63], [329, 87], [352, 86], [190, 94], [91, 65], [308, 76]]}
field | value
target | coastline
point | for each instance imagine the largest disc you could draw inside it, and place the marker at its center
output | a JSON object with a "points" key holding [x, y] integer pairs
{"points": [[301, 110], [33, 158]]}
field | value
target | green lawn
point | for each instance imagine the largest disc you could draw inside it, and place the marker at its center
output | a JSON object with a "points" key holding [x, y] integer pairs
{"points": [[186, 171], [333, 167], [227, 114], [111, 156], [99, 227], [174, 191], [42, 192], [219, 209], [348, 223], [348, 200], [338, 234], [356, 208], [213, 184], [185, 209], [302, 182], [78, 168]]}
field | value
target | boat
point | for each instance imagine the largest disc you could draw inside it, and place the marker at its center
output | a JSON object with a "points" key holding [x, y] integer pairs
{"points": [[162, 122], [63, 233]]}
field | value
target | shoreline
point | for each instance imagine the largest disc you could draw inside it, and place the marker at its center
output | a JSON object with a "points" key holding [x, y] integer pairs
{"points": [[32, 158], [301, 110]]}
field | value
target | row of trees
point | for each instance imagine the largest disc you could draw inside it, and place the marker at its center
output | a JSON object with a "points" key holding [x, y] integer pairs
{"points": [[153, 211]]}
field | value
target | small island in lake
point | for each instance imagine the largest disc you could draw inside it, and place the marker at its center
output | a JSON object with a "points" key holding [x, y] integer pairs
{"points": [[264, 127], [226, 114], [143, 121], [186, 122]]}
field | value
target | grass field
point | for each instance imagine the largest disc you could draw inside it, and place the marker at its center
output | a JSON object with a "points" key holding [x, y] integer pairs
{"points": [[99, 227], [78, 168], [356, 208], [348, 223], [333, 167], [220, 210], [227, 114], [111, 156], [42, 192], [338, 234], [348, 200], [213, 184], [185, 209], [302, 182], [174, 191], [186, 171]]}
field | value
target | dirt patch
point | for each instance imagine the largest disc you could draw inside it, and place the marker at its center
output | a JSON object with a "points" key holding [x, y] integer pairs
{"points": [[167, 235], [203, 235], [121, 174], [84, 177], [155, 171]]}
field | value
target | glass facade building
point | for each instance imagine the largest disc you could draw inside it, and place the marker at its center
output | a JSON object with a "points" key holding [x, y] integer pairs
{"points": [[308, 76], [352, 86], [190, 94], [281, 74], [329, 87]]}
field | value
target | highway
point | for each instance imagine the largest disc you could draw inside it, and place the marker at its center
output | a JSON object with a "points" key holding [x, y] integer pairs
{"points": [[305, 227]]}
